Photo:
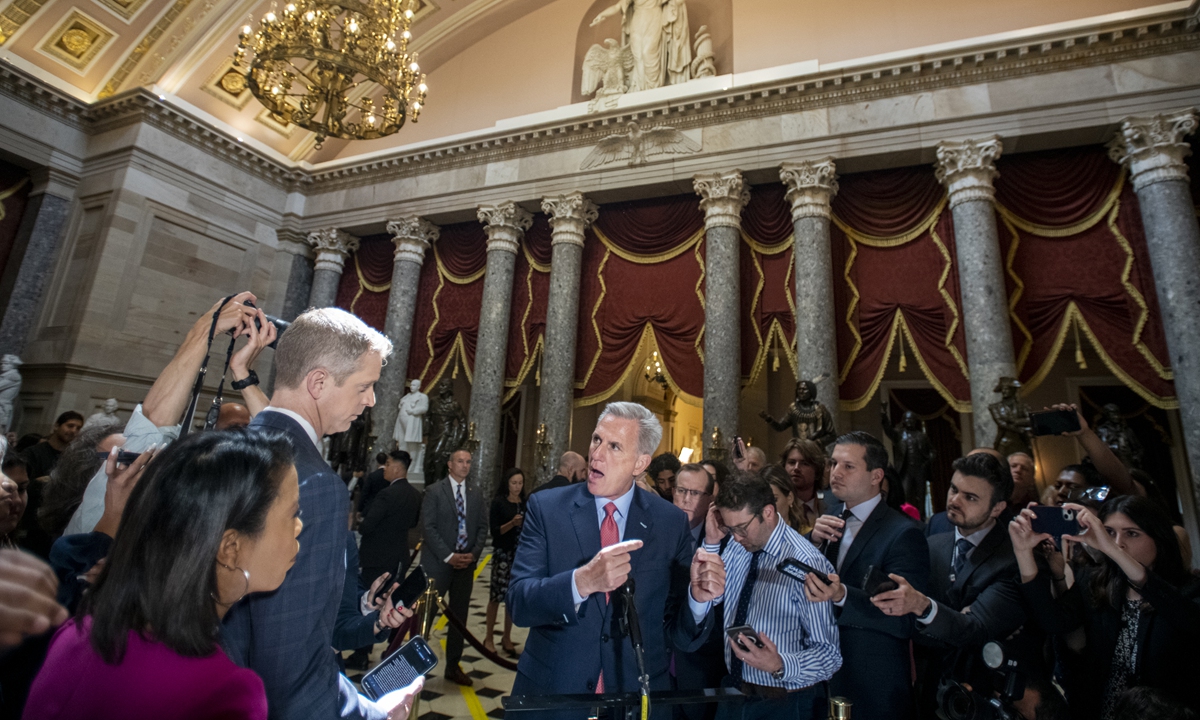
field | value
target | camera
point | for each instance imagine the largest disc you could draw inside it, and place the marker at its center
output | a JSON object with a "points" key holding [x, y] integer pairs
{"points": [[280, 325], [1004, 683]]}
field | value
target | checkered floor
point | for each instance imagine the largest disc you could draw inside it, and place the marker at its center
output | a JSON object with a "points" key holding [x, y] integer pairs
{"points": [[442, 699]]}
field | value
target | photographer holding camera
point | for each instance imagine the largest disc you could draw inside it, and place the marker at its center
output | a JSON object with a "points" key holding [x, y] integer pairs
{"points": [[1139, 609]]}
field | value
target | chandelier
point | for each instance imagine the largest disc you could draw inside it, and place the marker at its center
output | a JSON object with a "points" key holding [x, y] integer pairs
{"points": [[654, 371], [340, 68]]}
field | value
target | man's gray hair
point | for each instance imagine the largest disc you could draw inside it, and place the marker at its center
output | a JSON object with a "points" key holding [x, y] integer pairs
{"points": [[328, 338], [1021, 453], [649, 429]]}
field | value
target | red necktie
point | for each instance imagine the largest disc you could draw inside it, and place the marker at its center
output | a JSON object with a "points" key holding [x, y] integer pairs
{"points": [[609, 535]]}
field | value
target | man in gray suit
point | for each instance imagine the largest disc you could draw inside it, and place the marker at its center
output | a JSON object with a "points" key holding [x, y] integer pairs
{"points": [[456, 529]]}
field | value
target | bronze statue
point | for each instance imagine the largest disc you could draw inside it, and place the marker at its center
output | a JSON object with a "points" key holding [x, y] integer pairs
{"points": [[348, 450], [447, 430], [1117, 434], [912, 456], [807, 417], [1012, 420]]}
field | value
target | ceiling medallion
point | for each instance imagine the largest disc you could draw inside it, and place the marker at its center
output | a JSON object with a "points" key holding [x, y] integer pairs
{"points": [[339, 68]]}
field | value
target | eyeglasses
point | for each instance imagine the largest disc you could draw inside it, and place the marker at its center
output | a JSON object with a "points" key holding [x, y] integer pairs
{"points": [[743, 529], [689, 493]]}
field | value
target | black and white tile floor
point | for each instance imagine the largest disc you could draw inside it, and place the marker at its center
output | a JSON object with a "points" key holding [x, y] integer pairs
{"points": [[442, 699]]}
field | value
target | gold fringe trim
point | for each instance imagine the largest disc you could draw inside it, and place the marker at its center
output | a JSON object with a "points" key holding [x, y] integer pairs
{"points": [[700, 294], [456, 279], [787, 244], [894, 240], [533, 263], [530, 358], [8, 192], [646, 343], [437, 317], [1066, 230], [649, 259], [946, 298], [458, 351], [595, 325], [363, 285]]}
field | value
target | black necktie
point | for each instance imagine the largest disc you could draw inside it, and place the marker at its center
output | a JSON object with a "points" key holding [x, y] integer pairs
{"points": [[831, 550], [961, 548], [743, 608]]}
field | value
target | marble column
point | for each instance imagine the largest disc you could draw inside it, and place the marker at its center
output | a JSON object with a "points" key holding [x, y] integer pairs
{"points": [[299, 286], [412, 236], [811, 186], [34, 254], [967, 169], [332, 247], [1153, 148], [570, 216], [506, 224], [722, 197]]}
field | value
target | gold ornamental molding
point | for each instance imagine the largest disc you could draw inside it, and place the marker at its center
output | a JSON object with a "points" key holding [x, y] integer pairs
{"points": [[77, 41], [143, 47], [15, 15], [124, 9]]}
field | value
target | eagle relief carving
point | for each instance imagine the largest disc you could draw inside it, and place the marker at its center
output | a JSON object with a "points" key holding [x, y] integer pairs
{"points": [[636, 145]]}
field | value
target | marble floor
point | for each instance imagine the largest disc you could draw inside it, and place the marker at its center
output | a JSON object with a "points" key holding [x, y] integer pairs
{"points": [[441, 699]]}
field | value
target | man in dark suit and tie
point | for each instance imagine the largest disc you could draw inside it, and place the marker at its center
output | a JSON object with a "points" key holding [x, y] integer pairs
{"points": [[571, 469], [861, 531], [580, 544], [326, 366], [973, 567], [456, 529]]}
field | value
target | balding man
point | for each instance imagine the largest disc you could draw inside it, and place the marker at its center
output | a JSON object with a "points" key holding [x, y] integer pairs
{"points": [[571, 469], [233, 415], [1025, 489]]}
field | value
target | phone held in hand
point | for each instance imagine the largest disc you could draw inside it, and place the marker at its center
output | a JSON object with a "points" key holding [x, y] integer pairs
{"points": [[124, 457], [876, 581], [1054, 521], [1053, 422], [746, 630], [737, 448], [410, 590], [414, 659], [796, 570]]}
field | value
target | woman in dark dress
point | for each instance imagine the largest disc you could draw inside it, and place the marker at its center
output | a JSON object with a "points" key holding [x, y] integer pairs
{"points": [[1139, 609], [508, 514]]}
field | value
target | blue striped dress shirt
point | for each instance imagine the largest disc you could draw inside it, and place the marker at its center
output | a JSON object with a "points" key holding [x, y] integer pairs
{"points": [[805, 633]]}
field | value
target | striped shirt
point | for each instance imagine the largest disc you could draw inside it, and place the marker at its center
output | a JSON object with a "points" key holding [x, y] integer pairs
{"points": [[805, 633]]}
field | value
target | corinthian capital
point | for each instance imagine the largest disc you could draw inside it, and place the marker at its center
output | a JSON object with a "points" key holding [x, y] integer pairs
{"points": [[332, 246], [1153, 148], [722, 197], [570, 215], [505, 224], [412, 235], [967, 168], [811, 186]]}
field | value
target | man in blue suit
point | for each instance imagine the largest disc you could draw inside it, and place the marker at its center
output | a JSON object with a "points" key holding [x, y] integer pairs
{"points": [[326, 366], [859, 532], [580, 543]]}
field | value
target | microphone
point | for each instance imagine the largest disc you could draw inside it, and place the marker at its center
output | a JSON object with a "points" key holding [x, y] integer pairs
{"points": [[626, 592]]}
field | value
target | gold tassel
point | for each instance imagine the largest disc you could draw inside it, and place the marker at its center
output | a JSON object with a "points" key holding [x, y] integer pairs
{"points": [[775, 362], [1079, 349], [454, 373], [903, 358]]}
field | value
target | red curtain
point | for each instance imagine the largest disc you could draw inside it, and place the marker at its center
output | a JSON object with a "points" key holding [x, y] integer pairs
{"points": [[531, 293], [367, 280], [14, 194], [896, 282], [643, 267], [1076, 267], [449, 295], [767, 279]]}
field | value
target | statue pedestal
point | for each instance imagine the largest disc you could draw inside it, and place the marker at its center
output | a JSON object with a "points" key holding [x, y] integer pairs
{"points": [[416, 471]]}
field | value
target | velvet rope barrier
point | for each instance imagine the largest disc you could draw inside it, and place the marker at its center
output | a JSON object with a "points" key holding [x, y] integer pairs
{"points": [[475, 643]]}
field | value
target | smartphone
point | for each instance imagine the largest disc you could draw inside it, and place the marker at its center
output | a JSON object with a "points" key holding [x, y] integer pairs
{"points": [[123, 457], [414, 659], [1056, 521], [746, 630], [876, 581], [1053, 422], [737, 447], [796, 570], [409, 590]]}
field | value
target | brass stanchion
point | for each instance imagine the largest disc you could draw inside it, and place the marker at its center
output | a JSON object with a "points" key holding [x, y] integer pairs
{"points": [[839, 708], [426, 609]]}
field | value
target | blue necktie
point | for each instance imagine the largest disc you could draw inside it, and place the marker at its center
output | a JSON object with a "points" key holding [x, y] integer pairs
{"points": [[743, 609], [961, 548], [461, 506]]}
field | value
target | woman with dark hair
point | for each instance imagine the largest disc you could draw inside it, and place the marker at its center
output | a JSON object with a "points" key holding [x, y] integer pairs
{"points": [[785, 494], [1139, 609], [508, 515]]}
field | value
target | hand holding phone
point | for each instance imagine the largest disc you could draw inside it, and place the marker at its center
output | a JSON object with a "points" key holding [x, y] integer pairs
{"points": [[414, 659], [876, 581], [797, 569], [746, 630], [1054, 422], [1054, 521]]}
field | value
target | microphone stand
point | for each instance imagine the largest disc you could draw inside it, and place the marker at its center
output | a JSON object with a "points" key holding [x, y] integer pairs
{"points": [[630, 621]]}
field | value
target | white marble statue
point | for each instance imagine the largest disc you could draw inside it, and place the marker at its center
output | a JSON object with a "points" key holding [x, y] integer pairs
{"points": [[704, 64], [107, 416], [410, 429], [657, 35], [10, 385], [606, 70]]}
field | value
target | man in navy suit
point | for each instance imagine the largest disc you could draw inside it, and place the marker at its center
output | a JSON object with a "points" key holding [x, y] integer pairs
{"points": [[326, 366], [580, 543], [861, 531]]}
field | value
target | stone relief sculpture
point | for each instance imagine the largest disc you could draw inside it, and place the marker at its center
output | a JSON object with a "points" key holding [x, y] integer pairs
{"points": [[409, 433], [1117, 434], [107, 416], [10, 386], [636, 144], [912, 455], [447, 431], [606, 71], [807, 418], [1012, 419]]}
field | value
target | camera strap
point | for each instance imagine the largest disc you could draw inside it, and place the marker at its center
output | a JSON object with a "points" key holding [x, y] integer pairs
{"points": [[185, 422]]}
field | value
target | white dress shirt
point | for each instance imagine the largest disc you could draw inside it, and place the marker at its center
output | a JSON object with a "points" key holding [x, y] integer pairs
{"points": [[858, 515], [304, 424], [974, 538]]}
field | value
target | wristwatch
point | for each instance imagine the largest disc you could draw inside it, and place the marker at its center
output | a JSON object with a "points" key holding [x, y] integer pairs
{"points": [[928, 611], [251, 379], [778, 675]]}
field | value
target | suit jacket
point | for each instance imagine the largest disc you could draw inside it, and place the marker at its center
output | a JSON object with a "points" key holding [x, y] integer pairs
{"points": [[440, 520], [567, 648], [285, 636], [555, 482], [372, 485], [393, 512], [938, 524], [353, 629], [876, 668]]}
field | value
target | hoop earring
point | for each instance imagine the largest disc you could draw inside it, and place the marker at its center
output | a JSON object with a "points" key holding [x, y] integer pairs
{"points": [[245, 573]]}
